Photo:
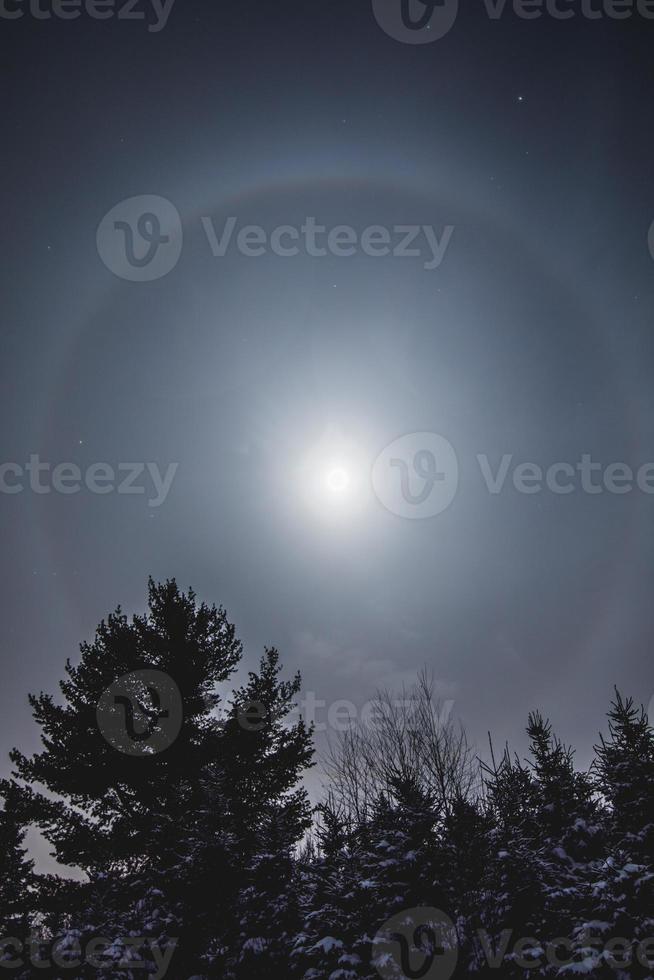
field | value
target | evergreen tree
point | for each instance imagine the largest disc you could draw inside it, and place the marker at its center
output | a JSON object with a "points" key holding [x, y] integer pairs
{"points": [[512, 892], [263, 759], [625, 777], [190, 848], [166, 838], [329, 941], [110, 797], [366, 875], [623, 889], [17, 879], [546, 844], [268, 911], [466, 857]]}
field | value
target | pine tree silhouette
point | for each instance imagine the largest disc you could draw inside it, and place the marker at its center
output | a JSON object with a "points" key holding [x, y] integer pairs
{"points": [[17, 880], [166, 839], [185, 838]]}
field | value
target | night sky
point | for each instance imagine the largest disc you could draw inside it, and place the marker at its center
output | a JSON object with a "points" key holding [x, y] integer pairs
{"points": [[269, 379]]}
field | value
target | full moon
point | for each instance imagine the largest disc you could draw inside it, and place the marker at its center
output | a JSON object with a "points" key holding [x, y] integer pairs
{"points": [[331, 478], [338, 480]]}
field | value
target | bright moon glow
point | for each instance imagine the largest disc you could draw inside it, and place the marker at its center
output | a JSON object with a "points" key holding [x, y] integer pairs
{"points": [[332, 478], [338, 480]]}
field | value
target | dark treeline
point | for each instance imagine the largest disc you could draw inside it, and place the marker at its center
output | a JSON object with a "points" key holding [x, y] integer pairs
{"points": [[205, 859]]}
